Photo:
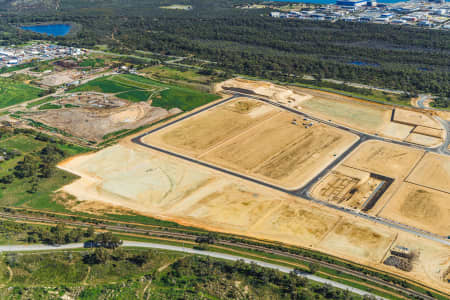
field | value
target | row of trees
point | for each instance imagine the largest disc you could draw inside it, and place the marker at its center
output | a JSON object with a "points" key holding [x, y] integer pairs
{"points": [[204, 271]]}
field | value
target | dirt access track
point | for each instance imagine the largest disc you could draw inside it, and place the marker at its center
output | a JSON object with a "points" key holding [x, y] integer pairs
{"points": [[258, 140]]}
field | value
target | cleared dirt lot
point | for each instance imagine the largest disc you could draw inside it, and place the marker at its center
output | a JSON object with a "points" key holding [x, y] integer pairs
{"points": [[58, 78], [433, 171], [282, 150], [200, 133], [346, 186], [422, 139], [94, 123], [386, 159], [355, 239], [420, 207], [432, 262], [296, 222], [231, 206], [354, 114], [139, 179], [277, 93], [383, 158], [429, 131], [414, 118]]}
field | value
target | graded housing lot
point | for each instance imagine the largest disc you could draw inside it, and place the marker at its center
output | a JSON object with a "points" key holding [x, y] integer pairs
{"points": [[385, 159], [154, 184], [257, 139], [347, 186], [423, 200], [245, 135], [418, 196], [372, 118]]}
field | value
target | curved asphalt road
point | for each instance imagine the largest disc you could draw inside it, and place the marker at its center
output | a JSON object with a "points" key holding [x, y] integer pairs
{"points": [[23, 248], [304, 191]]}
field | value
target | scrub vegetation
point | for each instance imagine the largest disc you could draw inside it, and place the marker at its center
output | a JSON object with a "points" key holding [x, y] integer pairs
{"points": [[28, 173]]}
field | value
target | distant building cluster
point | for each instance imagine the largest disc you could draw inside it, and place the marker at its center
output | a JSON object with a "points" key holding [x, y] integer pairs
{"points": [[429, 14], [13, 56]]}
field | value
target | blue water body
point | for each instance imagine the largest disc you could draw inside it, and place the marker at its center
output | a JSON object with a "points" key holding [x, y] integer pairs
{"points": [[363, 63], [50, 29]]}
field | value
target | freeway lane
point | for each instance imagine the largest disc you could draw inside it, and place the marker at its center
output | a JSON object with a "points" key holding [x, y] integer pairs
{"points": [[24, 248], [303, 192]]}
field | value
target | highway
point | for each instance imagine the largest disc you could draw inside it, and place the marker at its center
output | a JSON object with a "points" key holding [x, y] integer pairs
{"points": [[303, 192], [24, 248]]}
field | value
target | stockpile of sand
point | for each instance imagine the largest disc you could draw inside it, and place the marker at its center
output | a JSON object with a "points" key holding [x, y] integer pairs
{"points": [[267, 89]]}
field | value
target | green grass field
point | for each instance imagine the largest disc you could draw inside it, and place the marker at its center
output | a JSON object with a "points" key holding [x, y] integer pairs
{"points": [[23, 143], [41, 101], [15, 92], [49, 106], [93, 63], [135, 96], [137, 88], [16, 68], [163, 72], [17, 193], [102, 85]]}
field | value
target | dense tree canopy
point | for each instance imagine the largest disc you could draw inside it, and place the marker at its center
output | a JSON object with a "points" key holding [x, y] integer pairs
{"points": [[249, 42]]}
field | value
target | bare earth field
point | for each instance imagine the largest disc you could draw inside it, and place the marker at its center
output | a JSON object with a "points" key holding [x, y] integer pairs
{"points": [[346, 186], [422, 139], [383, 158], [254, 138], [433, 171], [276, 93], [354, 239], [420, 207], [296, 222], [281, 151], [393, 161], [415, 118], [361, 115], [356, 115], [58, 78], [432, 262], [145, 181], [429, 131], [200, 133], [94, 123]]}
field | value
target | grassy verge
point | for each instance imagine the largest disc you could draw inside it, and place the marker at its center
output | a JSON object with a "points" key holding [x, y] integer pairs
{"points": [[39, 102], [33, 188], [14, 92]]}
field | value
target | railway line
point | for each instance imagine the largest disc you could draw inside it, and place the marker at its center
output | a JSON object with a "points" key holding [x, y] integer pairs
{"points": [[226, 243]]}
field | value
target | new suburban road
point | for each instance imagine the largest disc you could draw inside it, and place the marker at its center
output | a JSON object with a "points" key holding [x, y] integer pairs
{"points": [[303, 192], [23, 248]]}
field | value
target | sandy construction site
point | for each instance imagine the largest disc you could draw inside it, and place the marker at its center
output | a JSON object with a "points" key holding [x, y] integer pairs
{"points": [[418, 192], [58, 78], [257, 139], [94, 119], [347, 186], [151, 183], [262, 141], [402, 124], [420, 207]]}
